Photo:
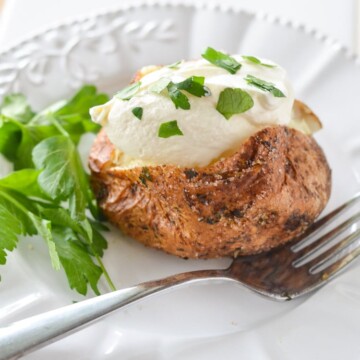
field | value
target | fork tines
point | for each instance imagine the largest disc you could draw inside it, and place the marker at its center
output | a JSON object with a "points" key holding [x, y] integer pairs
{"points": [[328, 253]]}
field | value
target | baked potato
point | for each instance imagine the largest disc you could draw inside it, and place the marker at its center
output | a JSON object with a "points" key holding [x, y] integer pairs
{"points": [[239, 200], [260, 197]]}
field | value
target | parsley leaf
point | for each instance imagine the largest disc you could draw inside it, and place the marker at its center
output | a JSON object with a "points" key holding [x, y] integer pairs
{"points": [[10, 137], [80, 104], [159, 85], [264, 85], [18, 218], [17, 141], [29, 138], [43, 228], [25, 182], [257, 61], [63, 176], [13, 224], [177, 97], [195, 86], [15, 106], [221, 60], [99, 243], [233, 101], [128, 92], [90, 237], [169, 129], [79, 267], [175, 65], [138, 112], [61, 217]]}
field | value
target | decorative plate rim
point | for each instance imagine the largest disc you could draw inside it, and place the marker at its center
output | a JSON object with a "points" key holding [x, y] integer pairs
{"points": [[200, 4]]}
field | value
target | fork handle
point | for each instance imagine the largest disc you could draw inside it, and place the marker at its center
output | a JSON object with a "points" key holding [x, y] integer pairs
{"points": [[30, 334]]}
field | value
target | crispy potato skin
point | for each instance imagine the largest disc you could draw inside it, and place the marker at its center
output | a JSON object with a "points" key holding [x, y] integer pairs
{"points": [[260, 197]]}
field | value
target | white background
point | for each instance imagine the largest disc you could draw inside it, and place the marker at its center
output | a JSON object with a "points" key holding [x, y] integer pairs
{"points": [[336, 18]]}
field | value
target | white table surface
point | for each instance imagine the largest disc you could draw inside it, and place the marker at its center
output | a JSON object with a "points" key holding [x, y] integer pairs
{"points": [[337, 18]]}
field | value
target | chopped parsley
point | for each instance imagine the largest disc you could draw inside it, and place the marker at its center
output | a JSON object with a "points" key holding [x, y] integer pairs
{"points": [[175, 65], [169, 129], [194, 85], [159, 85], [128, 92], [138, 112], [177, 97], [234, 101], [264, 85], [257, 61], [221, 60]]}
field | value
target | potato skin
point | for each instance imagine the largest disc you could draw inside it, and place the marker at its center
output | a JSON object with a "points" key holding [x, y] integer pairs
{"points": [[260, 197]]}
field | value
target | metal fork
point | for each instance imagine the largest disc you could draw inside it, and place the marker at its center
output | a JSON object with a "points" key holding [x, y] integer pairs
{"points": [[282, 274]]}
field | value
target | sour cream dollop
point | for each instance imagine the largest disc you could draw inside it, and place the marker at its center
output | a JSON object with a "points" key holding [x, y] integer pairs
{"points": [[207, 134]]}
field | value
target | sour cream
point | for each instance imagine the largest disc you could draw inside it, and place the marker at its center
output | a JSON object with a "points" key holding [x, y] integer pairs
{"points": [[207, 134]]}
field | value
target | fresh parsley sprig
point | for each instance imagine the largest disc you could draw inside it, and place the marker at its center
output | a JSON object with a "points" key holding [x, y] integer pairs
{"points": [[49, 193]]}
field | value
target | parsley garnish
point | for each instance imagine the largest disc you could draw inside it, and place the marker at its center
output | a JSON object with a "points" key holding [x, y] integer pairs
{"points": [[222, 60], [193, 85], [175, 65], [49, 194], [159, 85], [177, 97], [128, 92], [16, 107], [234, 101], [169, 129], [264, 85], [257, 61], [138, 112]]}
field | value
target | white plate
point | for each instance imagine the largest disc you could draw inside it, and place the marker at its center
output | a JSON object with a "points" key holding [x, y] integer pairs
{"points": [[208, 321]]}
